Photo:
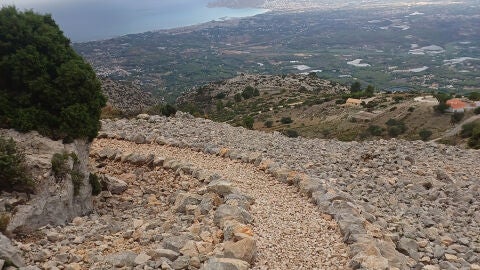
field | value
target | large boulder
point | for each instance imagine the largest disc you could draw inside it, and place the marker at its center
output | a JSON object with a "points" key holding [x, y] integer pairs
{"points": [[54, 201], [9, 252], [114, 185], [245, 249], [230, 212]]}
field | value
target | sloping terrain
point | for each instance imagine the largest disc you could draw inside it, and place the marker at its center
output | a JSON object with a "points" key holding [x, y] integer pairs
{"points": [[421, 196]]}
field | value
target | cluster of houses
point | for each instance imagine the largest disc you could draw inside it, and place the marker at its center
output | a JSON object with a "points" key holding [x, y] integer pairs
{"points": [[455, 104]]}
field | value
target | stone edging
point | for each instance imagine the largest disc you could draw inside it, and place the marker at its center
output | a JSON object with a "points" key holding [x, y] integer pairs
{"points": [[237, 232], [370, 248]]}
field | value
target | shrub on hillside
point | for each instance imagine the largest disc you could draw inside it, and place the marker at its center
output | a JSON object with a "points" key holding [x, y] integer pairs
{"points": [[375, 130], [250, 92], [162, 109], [471, 131], [268, 124], [286, 120], [94, 181], [248, 122], [290, 133], [425, 134], [395, 127], [13, 170], [44, 84], [477, 110]]}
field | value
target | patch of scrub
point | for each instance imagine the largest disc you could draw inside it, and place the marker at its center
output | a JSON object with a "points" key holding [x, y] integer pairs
{"points": [[357, 63]]}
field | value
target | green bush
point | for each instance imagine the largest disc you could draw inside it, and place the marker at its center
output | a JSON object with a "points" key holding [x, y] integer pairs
{"points": [[471, 131], [61, 168], [13, 171], [477, 110], [60, 165], [4, 220], [441, 108], [268, 124], [395, 127], [162, 109], [248, 122], [286, 120], [425, 134], [290, 133], [44, 84], [250, 92], [95, 183], [375, 130]]}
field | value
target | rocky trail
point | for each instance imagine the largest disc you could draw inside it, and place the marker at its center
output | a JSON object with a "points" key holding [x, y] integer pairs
{"points": [[185, 193], [288, 228]]}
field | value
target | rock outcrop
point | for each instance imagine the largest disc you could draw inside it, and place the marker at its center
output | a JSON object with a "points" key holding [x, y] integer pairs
{"points": [[54, 200]]}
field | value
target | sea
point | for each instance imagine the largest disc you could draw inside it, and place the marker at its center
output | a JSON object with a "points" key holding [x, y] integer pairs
{"points": [[88, 20]]}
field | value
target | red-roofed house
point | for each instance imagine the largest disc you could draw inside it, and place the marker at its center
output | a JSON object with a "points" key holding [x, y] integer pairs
{"points": [[457, 105]]}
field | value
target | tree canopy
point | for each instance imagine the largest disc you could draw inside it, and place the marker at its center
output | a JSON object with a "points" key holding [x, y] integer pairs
{"points": [[44, 84]]}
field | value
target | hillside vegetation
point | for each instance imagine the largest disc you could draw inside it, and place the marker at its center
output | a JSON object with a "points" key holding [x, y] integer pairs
{"points": [[304, 105]]}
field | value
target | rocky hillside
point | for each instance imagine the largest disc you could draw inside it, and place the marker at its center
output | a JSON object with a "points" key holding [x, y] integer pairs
{"points": [[390, 198], [189, 193], [266, 84], [126, 97], [314, 108], [60, 192]]}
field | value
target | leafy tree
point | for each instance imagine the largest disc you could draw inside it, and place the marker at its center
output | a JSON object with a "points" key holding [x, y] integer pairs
{"points": [[44, 84], [356, 87], [248, 122], [250, 92], [425, 134], [370, 90], [441, 108]]}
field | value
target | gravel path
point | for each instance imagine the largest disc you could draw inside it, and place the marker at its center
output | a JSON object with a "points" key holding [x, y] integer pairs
{"points": [[292, 233]]}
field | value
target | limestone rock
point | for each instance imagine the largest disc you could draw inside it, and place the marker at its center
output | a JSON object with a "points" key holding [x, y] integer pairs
{"points": [[184, 199], [220, 187], [229, 212], [165, 253], [175, 243], [225, 264], [114, 185], [9, 252], [245, 249], [51, 203]]}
